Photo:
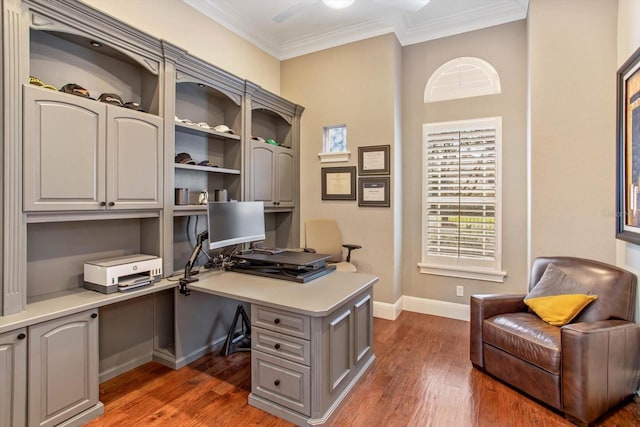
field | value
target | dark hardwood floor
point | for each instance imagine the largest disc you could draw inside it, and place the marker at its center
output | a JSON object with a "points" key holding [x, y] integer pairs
{"points": [[421, 377]]}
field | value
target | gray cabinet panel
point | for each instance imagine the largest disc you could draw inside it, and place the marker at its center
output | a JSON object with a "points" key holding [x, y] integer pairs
{"points": [[281, 381], [363, 327], [85, 155], [262, 174], [13, 378], [273, 175], [63, 368], [290, 348], [293, 324], [64, 141], [285, 185], [134, 159], [339, 347]]}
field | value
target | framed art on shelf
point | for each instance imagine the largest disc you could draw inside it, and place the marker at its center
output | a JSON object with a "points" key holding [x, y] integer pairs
{"points": [[628, 150], [374, 192], [374, 160], [339, 183]]}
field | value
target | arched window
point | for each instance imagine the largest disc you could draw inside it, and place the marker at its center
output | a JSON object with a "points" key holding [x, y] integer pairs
{"points": [[462, 77]]}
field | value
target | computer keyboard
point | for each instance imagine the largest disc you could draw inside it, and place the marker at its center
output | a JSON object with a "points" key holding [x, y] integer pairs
{"points": [[269, 251]]}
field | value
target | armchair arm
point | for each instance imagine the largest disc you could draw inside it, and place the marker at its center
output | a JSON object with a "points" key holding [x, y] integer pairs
{"points": [[350, 248], [600, 366], [486, 306]]}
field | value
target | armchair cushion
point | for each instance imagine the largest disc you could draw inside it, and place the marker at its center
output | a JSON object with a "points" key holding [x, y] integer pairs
{"points": [[557, 297], [527, 337], [558, 310]]}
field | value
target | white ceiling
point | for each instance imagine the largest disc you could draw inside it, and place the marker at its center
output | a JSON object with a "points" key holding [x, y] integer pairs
{"points": [[289, 28]]}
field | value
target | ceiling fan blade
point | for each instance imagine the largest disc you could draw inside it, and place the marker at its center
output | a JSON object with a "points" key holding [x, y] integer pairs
{"points": [[292, 10], [408, 5]]}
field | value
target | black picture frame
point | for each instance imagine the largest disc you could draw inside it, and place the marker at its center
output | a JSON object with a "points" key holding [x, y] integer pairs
{"points": [[374, 192], [628, 150], [374, 160], [339, 183]]}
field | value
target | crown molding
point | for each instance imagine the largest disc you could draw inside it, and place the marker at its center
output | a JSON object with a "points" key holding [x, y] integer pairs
{"points": [[473, 19], [329, 39], [236, 25]]}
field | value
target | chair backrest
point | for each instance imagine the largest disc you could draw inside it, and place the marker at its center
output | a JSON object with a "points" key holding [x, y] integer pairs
{"points": [[615, 287], [323, 235]]}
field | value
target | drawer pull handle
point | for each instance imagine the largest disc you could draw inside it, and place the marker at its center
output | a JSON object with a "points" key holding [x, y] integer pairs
{"points": [[276, 321], [277, 346], [94, 315], [22, 336], [276, 382]]}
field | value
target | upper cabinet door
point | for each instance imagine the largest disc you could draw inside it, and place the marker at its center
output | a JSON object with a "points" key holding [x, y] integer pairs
{"points": [[284, 178], [262, 188], [64, 148], [134, 159]]}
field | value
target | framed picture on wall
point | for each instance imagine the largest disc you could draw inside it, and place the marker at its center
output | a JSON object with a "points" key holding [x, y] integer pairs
{"points": [[628, 151], [374, 192], [339, 183], [374, 160]]}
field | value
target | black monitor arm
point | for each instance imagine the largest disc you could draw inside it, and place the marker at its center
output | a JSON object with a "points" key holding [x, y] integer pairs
{"points": [[192, 259]]}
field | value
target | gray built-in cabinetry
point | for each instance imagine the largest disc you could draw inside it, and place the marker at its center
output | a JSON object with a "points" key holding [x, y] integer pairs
{"points": [[273, 171], [302, 366], [63, 370], [115, 154], [200, 97], [13, 378], [86, 180]]}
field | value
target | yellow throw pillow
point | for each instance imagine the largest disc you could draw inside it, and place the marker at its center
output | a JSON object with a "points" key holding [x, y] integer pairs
{"points": [[559, 310]]}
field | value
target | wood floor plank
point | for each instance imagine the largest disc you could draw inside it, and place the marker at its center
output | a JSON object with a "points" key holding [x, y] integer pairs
{"points": [[422, 377]]}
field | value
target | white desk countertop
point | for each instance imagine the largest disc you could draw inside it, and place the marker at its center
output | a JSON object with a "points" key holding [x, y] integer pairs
{"points": [[315, 298]]}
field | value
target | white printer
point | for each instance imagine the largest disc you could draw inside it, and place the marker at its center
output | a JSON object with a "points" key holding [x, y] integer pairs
{"points": [[122, 273]]}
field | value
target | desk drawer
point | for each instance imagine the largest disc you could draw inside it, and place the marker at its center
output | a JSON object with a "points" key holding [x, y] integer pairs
{"points": [[293, 324], [281, 345], [282, 382]]}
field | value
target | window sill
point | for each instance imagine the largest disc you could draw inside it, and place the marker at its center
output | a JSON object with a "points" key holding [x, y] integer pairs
{"points": [[476, 273], [341, 156]]}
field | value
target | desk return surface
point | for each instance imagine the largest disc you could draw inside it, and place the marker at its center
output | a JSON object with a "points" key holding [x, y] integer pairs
{"points": [[315, 298]]}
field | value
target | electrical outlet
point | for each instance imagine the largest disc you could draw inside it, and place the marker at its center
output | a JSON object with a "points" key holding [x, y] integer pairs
{"points": [[459, 291]]}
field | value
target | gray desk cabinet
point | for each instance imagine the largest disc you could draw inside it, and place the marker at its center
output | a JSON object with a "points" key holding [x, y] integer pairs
{"points": [[273, 175], [13, 378], [302, 366], [63, 368], [80, 154]]}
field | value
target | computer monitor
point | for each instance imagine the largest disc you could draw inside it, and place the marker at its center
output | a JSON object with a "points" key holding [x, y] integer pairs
{"points": [[232, 223]]}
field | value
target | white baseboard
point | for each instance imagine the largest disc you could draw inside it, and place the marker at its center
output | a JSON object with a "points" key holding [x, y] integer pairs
{"points": [[387, 311], [451, 310]]}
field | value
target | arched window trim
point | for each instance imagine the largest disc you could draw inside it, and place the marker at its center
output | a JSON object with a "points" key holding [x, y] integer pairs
{"points": [[462, 77]]}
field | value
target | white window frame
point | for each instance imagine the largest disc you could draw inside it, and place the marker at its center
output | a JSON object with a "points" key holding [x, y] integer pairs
{"points": [[457, 266], [328, 154]]}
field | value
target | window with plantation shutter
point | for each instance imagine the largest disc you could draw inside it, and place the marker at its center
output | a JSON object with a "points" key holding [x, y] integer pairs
{"points": [[462, 199]]}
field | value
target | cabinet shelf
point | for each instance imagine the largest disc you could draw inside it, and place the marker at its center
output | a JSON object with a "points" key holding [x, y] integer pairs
{"points": [[188, 210], [197, 130], [209, 169]]}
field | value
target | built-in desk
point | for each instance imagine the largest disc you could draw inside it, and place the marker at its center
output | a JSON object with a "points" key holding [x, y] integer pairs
{"points": [[310, 342]]}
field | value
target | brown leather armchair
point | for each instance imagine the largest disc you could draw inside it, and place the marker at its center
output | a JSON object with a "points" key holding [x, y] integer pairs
{"points": [[583, 368]]}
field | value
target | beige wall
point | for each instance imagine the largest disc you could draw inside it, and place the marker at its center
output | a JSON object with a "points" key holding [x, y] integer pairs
{"points": [[627, 254], [183, 26], [504, 47], [356, 85], [572, 65]]}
